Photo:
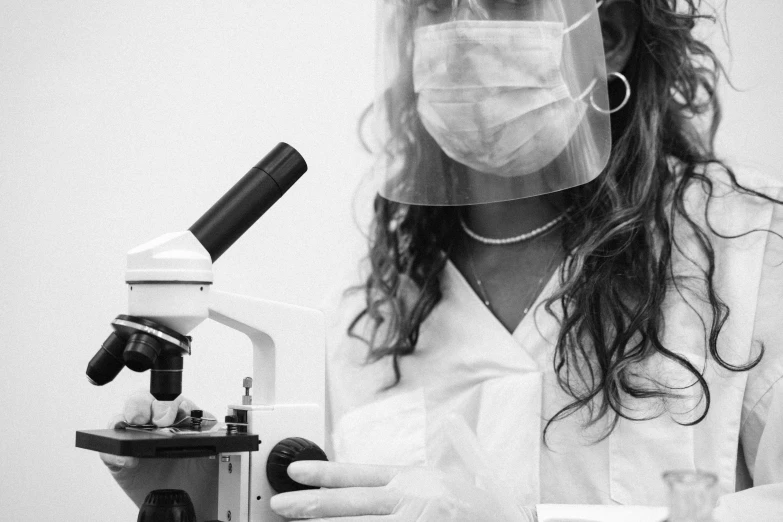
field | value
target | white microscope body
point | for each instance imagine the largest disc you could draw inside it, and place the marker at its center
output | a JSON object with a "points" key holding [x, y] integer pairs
{"points": [[170, 293], [169, 282]]}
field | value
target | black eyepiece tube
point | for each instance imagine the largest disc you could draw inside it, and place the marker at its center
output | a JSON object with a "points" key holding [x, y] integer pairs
{"points": [[249, 199]]}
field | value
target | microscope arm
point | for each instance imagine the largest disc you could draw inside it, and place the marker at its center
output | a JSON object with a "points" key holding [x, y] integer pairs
{"points": [[287, 340]]}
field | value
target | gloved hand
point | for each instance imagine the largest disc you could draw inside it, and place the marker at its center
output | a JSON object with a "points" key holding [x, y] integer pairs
{"points": [[461, 490], [197, 476], [142, 408], [387, 494]]}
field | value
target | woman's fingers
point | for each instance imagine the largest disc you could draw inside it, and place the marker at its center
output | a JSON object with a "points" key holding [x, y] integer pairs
{"points": [[164, 413], [345, 502], [138, 408], [118, 421], [142, 408], [118, 462], [356, 491], [360, 518], [324, 474], [185, 407]]}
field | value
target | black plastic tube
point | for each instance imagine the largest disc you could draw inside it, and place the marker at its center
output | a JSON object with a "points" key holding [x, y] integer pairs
{"points": [[107, 363], [249, 199], [166, 378]]}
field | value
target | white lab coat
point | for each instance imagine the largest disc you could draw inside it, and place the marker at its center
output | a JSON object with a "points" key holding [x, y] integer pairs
{"points": [[503, 385]]}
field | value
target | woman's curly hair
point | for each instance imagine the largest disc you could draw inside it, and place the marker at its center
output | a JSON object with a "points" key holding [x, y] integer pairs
{"points": [[620, 237]]}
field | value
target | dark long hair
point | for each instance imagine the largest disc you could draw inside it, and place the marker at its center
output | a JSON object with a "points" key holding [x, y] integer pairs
{"points": [[621, 236]]}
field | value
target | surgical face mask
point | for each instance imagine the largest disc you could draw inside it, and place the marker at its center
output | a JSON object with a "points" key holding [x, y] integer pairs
{"points": [[492, 94], [507, 88]]}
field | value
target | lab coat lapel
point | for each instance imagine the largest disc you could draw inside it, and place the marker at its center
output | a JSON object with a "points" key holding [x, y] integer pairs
{"points": [[479, 330], [498, 376], [537, 332]]}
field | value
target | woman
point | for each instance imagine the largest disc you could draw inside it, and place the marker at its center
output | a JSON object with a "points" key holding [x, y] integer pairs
{"points": [[548, 320]]}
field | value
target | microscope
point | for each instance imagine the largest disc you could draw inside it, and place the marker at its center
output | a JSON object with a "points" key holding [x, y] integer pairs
{"points": [[169, 293]]}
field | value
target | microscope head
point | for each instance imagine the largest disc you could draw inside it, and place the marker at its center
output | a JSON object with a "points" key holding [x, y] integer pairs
{"points": [[168, 295], [169, 279]]}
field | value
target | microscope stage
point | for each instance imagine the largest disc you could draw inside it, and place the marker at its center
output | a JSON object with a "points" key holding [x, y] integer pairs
{"points": [[140, 444]]}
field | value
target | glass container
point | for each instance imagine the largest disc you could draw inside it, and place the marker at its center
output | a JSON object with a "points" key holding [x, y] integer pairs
{"points": [[692, 495]]}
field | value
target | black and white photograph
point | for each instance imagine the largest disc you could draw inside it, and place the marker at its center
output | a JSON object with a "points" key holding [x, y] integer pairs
{"points": [[392, 261]]}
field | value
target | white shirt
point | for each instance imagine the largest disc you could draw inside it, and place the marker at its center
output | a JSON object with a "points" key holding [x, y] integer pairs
{"points": [[504, 386]]}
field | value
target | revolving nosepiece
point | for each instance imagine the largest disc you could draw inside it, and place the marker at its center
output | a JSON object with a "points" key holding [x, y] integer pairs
{"points": [[142, 344]]}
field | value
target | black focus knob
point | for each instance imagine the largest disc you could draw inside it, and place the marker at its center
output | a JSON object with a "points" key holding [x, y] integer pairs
{"points": [[167, 505], [284, 453], [141, 351]]}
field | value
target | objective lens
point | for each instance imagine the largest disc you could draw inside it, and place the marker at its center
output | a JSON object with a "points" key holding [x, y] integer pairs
{"points": [[107, 363], [166, 378], [141, 351]]}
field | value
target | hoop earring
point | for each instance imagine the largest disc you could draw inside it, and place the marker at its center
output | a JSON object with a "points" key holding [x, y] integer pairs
{"points": [[625, 100]]}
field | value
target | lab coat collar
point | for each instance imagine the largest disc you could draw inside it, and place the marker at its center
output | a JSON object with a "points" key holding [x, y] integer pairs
{"points": [[473, 328], [502, 370]]}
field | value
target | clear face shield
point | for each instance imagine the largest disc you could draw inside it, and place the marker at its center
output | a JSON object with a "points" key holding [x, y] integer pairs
{"points": [[481, 101]]}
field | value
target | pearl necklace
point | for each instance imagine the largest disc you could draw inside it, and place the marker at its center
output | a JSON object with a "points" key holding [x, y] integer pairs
{"points": [[516, 239]]}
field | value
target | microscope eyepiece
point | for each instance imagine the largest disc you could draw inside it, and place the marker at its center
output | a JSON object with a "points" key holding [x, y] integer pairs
{"points": [[249, 199]]}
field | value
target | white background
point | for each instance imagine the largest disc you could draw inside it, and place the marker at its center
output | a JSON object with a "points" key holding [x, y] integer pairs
{"points": [[121, 121]]}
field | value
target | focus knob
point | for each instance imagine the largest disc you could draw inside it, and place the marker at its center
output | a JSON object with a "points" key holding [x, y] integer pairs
{"points": [[167, 505], [284, 453]]}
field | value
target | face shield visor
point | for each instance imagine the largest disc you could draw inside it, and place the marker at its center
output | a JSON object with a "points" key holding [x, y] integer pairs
{"points": [[481, 101]]}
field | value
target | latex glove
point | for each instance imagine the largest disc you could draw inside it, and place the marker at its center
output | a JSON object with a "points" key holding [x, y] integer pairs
{"points": [[387, 494], [142, 408]]}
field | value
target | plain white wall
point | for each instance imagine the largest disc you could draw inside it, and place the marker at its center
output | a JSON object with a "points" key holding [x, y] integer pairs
{"points": [[120, 121], [750, 46]]}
